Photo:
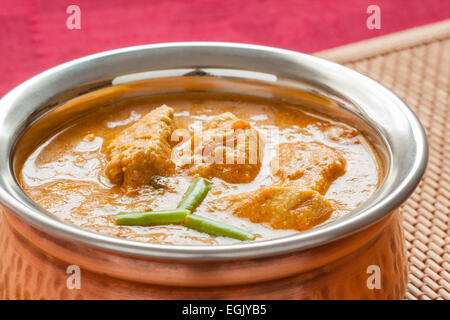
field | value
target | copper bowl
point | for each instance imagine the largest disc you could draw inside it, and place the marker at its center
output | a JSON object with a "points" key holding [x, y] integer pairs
{"points": [[359, 256]]}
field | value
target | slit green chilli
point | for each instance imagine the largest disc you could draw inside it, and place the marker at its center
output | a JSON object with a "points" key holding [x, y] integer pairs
{"points": [[193, 197]]}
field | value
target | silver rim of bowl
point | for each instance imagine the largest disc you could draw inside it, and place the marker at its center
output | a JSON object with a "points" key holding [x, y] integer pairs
{"points": [[400, 129]]}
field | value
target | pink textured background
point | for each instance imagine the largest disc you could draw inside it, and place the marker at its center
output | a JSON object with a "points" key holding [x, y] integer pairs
{"points": [[34, 37]]}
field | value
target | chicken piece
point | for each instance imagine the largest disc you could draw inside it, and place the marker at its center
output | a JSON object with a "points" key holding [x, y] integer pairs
{"points": [[311, 165], [283, 207], [142, 150], [228, 149]]}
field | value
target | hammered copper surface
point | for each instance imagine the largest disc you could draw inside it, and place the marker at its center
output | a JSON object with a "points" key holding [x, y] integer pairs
{"points": [[415, 65]]}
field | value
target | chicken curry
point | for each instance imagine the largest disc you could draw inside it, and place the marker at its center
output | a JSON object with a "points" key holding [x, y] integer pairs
{"points": [[264, 167]]}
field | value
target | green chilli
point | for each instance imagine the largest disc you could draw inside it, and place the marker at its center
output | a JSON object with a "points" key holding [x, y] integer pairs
{"points": [[216, 228], [195, 194], [152, 218]]}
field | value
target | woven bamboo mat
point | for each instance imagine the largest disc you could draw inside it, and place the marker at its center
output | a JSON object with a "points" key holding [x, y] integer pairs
{"points": [[415, 64]]}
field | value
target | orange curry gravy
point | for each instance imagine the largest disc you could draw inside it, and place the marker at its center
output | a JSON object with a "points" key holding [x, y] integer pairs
{"points": [[65, 175]]}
